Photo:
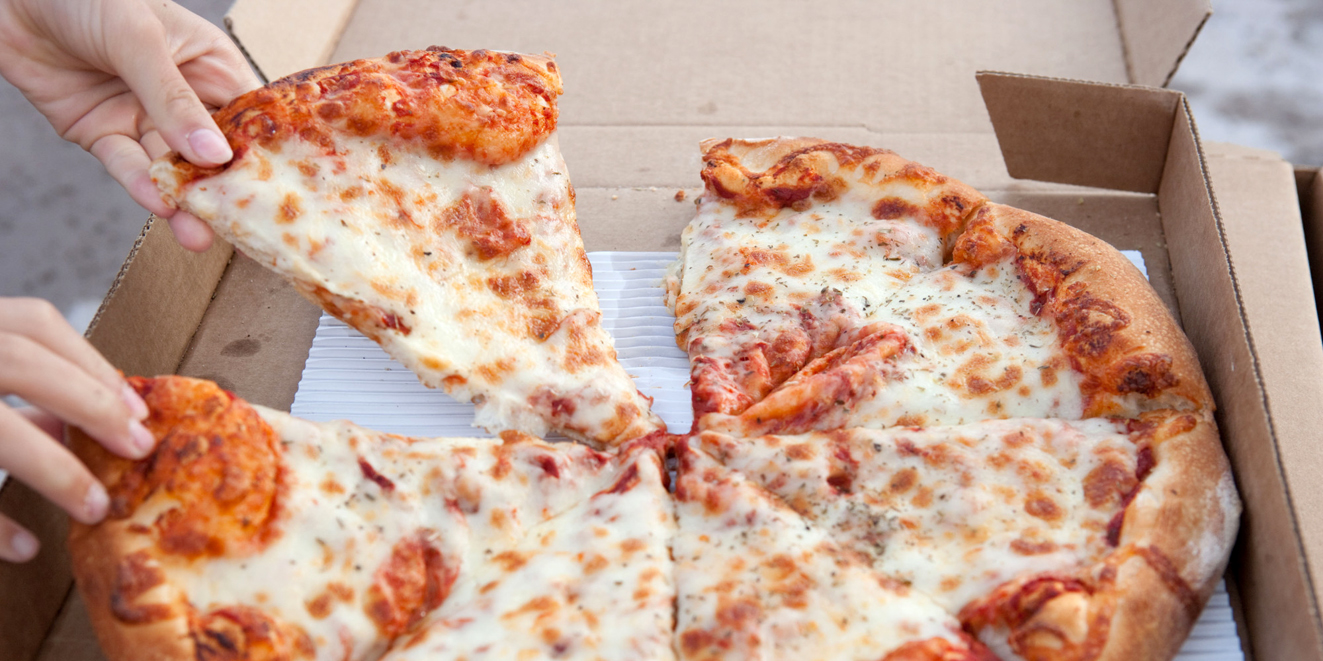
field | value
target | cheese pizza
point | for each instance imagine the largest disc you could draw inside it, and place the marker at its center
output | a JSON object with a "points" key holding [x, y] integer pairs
{"points": [[928, 427], [249, 534], [422, 199]]}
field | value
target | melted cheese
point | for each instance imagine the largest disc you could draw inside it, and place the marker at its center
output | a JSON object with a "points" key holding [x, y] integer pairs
{"points": [[470, 499], [591, 583], [834, 245], [953, 511], [978, 353], [758, 581], [495, 306]]}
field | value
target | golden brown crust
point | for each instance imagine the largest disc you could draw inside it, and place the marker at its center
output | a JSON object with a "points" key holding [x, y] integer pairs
{"points": [[760, 177], [1171, 548], [487, 106], [1113, 327], [97, 553]]}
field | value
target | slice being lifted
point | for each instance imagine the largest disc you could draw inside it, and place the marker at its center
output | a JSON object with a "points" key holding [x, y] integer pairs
{"points": [[422, 199], [250, 534]]}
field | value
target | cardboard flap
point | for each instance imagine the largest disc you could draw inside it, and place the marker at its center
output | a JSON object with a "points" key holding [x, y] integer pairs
{"points": [[266, 32], [1074, 132], [1156, 36]]}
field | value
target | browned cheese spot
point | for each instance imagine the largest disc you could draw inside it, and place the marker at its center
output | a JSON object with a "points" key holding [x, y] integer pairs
{"points": [[291, 207]]}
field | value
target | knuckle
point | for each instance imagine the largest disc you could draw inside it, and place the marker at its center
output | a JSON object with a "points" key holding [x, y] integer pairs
{"points": [[180, 99]]}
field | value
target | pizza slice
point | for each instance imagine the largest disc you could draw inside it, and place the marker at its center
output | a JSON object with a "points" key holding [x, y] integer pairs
{"points": [[795, 244], [422, 199], [594, 582], [1048, 537], [757, 581], [1030, 318], [249, 534]]}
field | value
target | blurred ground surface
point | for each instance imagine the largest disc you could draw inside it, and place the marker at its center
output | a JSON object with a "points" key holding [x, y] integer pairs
{"points": [[1255, 77]]}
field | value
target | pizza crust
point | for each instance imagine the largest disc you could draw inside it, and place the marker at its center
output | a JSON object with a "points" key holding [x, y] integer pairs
{"points": [[1133, 355]]}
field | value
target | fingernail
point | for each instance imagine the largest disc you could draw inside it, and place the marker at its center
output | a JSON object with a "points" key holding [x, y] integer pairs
{"points": [[131, 399], [95, 503], [23, 544], [143, 441], [210, 145]]}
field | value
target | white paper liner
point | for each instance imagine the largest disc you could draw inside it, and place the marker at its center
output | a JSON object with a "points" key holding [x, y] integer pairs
{"points": [[349, 377]]}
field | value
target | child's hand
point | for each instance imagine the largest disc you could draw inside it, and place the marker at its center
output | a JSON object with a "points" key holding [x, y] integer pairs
{"points": [[127, 80], [46, 362]]}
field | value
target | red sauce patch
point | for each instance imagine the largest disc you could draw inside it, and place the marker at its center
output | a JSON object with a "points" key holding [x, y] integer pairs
{"points": [[411, 583], [216, 457], [243, 633], [371, 473], [136, 574], [484, 223]]}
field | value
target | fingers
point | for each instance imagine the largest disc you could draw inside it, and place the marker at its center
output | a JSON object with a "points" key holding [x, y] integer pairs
{"points": [[126, 161], [39, 461], [146, 62], [50, 382], [190, 231], [16, 544], [40, 321]]}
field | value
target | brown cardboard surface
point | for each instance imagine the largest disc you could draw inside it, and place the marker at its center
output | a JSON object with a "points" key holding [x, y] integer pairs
{"points": [[1262, 229], [1276, 592], [1080, 133], [1309, 189], [287, 36], [1157, 36], [255, 336]]}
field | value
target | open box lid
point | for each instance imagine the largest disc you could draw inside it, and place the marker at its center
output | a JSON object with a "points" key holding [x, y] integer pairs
{"points": [[646, 81]]}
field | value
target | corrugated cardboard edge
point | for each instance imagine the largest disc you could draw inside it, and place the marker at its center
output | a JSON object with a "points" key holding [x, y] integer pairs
{"points": [[1156, 36], [260, 27], [1309, 189], [1261, 223], [1079, 132], [141, 328]]}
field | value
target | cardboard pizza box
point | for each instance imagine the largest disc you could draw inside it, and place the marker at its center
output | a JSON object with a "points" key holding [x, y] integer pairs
{"points": [[646, 81]]}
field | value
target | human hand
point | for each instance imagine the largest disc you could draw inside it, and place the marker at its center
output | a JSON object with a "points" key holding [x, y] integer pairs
{"points": [[46, 362], [127, 80]]}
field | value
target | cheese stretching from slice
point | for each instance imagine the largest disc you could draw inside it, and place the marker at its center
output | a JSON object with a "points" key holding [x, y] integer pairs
{"points": [[795, 246], [253, 531], [454, 247], [954, 512], [757, 581]]}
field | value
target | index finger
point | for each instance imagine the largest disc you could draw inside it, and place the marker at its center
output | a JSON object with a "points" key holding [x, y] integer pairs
{"points": [[40, 322]]}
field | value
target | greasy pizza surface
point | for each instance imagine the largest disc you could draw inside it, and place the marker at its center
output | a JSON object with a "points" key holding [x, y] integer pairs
{"points": [[794, 247], [249, 534], [1001, 418], [1030, 318], [755, 581], [422, 199]]}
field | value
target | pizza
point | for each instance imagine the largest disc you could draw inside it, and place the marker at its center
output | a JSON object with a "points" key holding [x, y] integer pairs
{"points": [[1028, 317], [756, 581], [249, 534], [422, 199], [1014, 428], [794, 246], [927, 426]]}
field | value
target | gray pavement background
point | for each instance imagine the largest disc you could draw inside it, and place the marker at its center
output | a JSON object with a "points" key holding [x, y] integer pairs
{"points": [[1254, 77]]}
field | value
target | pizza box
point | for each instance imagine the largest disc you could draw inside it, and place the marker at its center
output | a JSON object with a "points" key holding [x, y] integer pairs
{"points": [[1218, 226]]}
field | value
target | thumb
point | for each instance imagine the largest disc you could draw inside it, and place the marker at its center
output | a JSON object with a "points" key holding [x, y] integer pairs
{"points": [[147, 65]]}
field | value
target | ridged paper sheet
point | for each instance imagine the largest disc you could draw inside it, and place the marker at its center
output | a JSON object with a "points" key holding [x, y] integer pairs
{"points": [[348, 376]]}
